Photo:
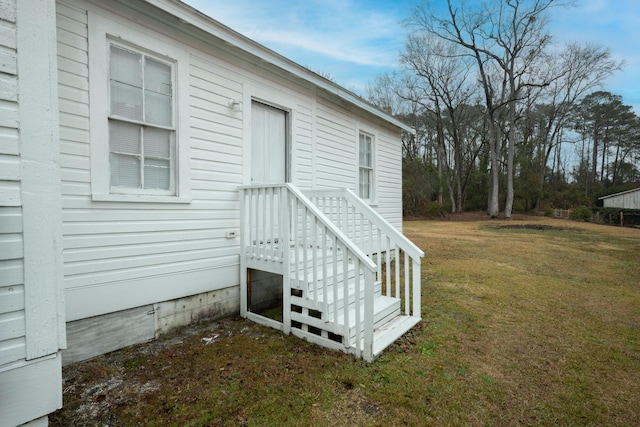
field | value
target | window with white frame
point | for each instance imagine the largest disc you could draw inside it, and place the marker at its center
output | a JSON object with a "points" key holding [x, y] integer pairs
{"points": [[139, 87], [365, 181], [141, 122]]}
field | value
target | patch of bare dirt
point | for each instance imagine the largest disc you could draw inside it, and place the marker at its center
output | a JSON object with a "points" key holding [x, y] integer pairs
{"points": [[352, 410], [537, 227], [92, 389], [472, 217]]}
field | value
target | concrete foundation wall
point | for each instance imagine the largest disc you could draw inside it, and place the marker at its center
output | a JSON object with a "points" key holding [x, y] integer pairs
{"points": [[98, 335], [206, 306]]}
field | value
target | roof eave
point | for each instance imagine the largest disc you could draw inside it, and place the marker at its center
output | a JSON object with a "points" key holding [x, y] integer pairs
{"points": [[620, 193], [194, 17]]}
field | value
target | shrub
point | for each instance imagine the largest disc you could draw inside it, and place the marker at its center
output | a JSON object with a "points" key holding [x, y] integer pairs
{"points": [[582, 213], [549, 211], [518, 206]]}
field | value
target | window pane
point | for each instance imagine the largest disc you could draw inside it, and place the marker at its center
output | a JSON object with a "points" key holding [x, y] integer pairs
{"points": [[157, 77], [125, 170], [126, 101], [157, 142], [124, 137], [125, 67], [367, 145], [364, 149], [125, 73], [157, 174], [365, 183], [157, 108], [158, 92]]}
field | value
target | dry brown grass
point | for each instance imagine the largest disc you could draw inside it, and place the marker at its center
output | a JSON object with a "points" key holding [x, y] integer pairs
{"points": [[522, 326]]}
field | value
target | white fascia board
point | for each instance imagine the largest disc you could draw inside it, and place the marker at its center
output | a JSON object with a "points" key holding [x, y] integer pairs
{"points": [[619, 194], [192, 16]]}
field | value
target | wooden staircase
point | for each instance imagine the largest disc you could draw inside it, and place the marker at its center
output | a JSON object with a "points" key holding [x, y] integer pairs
{"points": [[333, 292]]}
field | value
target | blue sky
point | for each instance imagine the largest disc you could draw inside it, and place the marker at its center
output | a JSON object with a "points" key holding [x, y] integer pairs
{"points": [[356, 40]]}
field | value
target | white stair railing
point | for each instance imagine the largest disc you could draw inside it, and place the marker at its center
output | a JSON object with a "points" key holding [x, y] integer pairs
{"points": [[280, 224], [394, 254]]}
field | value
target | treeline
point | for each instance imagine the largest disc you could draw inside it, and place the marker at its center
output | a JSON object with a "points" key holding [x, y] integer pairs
{"points": [[505, 119]]}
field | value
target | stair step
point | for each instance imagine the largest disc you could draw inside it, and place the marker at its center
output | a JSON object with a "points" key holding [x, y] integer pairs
{"points": [[318, 287], [314, 299], [388, 333], [304, 279], [384, 309]]}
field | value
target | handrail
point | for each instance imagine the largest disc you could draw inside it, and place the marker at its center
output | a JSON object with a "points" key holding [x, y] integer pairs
{"points": [[362, 257], [407, 245], [400, 239]]}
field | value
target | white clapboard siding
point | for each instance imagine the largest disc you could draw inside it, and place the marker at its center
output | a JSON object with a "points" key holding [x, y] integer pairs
{"points": [[7, 32], [11, 298], [9, 167], [11, 220], [7, 60], [114, 252], [12, 301], [335, 147], [337, 159], [389, 177], [8, 113], [303, 169], [82, 242], [8, 87], [109, 242], [9, 141]]}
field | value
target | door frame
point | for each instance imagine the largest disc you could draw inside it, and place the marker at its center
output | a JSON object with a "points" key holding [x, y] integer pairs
{"points": [[287, 138], [277, 100]]}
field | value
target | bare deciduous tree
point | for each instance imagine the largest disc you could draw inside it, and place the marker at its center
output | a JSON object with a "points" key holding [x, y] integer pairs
{"points": [[505, 38]]}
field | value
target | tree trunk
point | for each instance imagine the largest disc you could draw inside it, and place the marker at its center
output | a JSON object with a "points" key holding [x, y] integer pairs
{"points": [[605, 147], [510, 154], [594, 153], [441, 155], [493, 208]]}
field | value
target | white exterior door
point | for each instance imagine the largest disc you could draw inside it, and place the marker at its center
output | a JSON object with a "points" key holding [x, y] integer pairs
{"points": [[268, 144]]}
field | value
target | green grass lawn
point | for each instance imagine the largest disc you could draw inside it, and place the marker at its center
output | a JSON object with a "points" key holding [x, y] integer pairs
{"points": [[525, 322]]}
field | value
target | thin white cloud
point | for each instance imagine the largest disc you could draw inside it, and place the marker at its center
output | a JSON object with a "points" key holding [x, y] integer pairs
{"points": [[336, 46], [340, 30], [355, 40]]}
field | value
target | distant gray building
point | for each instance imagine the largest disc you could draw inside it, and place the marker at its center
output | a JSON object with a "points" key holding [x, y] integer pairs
{"points": [[629, 199]]}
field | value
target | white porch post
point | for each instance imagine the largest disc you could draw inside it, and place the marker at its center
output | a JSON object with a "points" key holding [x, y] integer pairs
{"points": [[416, 288], [285, 228], [243, 252], [368, 315]]}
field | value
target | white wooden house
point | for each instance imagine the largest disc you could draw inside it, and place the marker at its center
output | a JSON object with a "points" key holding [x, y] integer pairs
{"points": [[629, 199], [179, 171]]}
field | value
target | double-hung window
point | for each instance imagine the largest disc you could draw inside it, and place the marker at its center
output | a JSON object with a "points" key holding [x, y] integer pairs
{"points": [[142, 152], [365, 150], [138, 113]]}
